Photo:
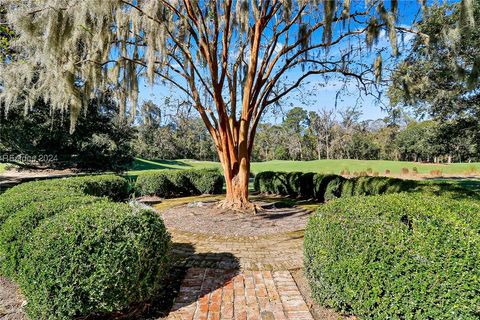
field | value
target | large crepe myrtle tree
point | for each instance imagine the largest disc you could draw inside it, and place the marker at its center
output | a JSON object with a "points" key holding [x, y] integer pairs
{"points": [[233, 59]]}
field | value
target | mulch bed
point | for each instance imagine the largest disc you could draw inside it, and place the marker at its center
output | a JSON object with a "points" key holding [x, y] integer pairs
{"points": [[208, 218]]}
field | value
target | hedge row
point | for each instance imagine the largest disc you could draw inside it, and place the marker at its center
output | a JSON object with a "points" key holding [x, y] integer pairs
{"points": [[75, 254], [111, 186], [399, 256], [167, 184], [323, 187]]}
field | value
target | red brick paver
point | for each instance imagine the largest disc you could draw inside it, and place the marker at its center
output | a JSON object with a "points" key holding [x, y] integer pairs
{"points": [[221, 294]]}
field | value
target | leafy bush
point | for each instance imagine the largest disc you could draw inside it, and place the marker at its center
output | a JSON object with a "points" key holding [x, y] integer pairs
{"points": [[151, 183], [348, 187], [327, 187], [263, 182], [321, 182], [207, 181], [112, 186], [294, 183], [12, 202], [396, 256], [334, 188], [93, 259], [365, 186], [291, 184], [180, 183], [17, 229]]}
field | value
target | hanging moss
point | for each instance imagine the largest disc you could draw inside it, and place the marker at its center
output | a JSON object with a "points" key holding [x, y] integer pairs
{"points": [[328, 15]]}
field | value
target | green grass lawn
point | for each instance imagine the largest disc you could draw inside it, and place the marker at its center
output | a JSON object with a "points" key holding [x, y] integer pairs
{"points": [[321, 166], [142, 165]]}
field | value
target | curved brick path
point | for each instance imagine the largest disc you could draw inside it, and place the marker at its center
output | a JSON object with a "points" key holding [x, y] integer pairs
{"points": [[274, 252], [238, 277]]}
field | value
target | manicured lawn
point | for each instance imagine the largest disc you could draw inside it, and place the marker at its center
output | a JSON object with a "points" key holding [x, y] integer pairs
{"points": [[322, 166], [142, 165]]}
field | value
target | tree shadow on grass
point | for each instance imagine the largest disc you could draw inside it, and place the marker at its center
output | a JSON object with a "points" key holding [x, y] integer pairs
{"points": [[201, 273]]}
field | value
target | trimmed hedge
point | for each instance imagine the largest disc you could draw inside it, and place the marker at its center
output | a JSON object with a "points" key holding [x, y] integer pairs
{"points": [[13, 202], [399, 256], [323, 188], [111, 186], [14, 199], [334, 188], [74, 254], [17, 229], [180, 183], [285, 183], [97, 258]]}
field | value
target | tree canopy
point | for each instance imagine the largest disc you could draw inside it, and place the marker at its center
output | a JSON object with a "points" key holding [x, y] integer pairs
{"points": [[231, 59], [441, 77]]}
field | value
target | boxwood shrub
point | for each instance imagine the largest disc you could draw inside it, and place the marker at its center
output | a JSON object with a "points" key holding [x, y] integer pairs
{"points": [[180, 183], [17, 229], [321, 182], [207, 181], [334, 188], [11, 202], [93, 259], [14, 199], [263, 182], [398, 256], [323, 187], [112, 186]]}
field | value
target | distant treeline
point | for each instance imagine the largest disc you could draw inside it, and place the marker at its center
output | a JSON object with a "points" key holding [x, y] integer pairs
{"points": [[304, 135]]}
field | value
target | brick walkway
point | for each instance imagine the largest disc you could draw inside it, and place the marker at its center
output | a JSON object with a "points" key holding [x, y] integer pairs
{"points": [[238, 277], [275, 252], [220, 294]]}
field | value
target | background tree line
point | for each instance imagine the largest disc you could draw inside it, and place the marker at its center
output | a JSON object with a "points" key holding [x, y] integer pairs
{"points": [[310, 135]]}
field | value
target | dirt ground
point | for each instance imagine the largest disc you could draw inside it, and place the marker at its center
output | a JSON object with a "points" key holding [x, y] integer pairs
{"points": [[11, 301], [207, 218], [318, 312]]}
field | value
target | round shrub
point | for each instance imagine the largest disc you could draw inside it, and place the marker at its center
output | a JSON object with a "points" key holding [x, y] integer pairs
{"points": [[112, 186], [320, 182], [180, 183], [94, 259], [399, 256], [153, 183], [294, 183], [444, 189], [11, 202], [17, 229], [334, 188], [271, 182], [348, 187], [207, 181]]}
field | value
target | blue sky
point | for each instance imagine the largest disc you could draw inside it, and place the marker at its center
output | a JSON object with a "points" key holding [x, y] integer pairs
{"points": [[325, 96]]}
